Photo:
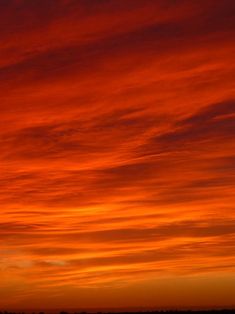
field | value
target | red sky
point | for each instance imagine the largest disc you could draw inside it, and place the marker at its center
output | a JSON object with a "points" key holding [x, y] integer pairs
{"points": [[117, 156]]}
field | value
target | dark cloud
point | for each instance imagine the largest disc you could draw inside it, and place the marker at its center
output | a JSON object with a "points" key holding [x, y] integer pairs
{"points": [[84, 58], [211, 124]]}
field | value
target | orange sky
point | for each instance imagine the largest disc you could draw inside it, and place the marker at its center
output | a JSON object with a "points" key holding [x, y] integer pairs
{"points": [[117, 153]]}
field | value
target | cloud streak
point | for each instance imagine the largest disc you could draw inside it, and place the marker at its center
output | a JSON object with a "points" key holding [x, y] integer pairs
{"points": [[117, 151]]}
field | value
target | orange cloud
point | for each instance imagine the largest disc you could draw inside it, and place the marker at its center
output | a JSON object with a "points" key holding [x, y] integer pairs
{"points": [[117, 154]]}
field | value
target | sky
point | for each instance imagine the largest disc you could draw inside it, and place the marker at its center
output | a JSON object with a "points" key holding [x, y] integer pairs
{"points": [[117, 154]]}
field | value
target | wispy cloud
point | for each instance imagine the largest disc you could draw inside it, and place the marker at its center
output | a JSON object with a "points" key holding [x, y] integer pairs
{"points": [[117, 150]]}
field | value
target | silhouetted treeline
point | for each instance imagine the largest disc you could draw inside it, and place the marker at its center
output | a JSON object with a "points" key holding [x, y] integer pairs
{"points": [[216, 311], [223, 311]]}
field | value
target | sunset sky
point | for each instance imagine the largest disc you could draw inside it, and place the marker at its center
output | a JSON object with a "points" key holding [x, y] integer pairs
{"points": [[117, 154]]}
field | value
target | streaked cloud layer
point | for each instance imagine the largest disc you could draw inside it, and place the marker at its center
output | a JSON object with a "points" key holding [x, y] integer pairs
{"points": [[117, 153]]}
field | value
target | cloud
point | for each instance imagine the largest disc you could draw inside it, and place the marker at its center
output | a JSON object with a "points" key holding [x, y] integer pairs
{"points": [[117, 153]]}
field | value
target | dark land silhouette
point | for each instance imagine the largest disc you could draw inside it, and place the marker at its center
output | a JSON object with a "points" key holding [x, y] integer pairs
{"points": [[215, 311]]}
